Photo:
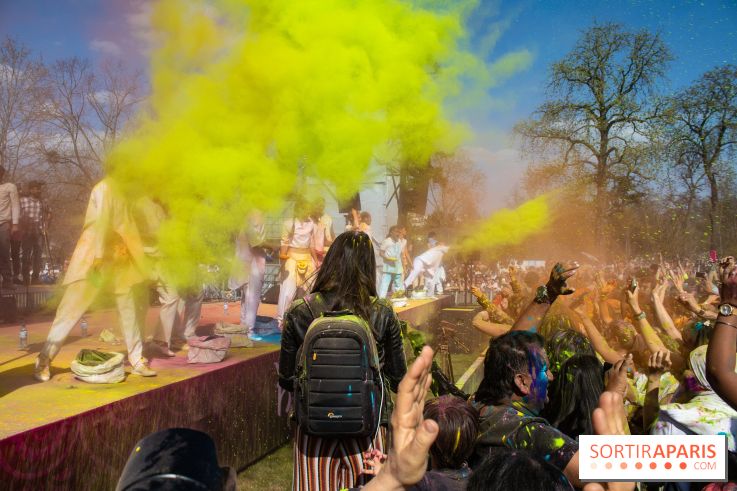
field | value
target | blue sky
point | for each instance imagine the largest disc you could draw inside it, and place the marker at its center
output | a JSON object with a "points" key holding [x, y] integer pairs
{"points": [[701, 35]]}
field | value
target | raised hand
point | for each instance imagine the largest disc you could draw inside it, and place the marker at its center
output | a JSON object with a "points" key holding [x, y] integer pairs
{"points": [[560, 274], [658, 363], [412, 436], [618, 375], [728, 280], [609, 419]]}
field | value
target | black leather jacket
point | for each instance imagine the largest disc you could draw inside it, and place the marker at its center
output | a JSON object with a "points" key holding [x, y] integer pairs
{"points": [[383, 322]]}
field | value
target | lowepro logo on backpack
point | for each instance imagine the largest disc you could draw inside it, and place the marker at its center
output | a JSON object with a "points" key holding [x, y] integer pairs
{"points": [[339, 391]]}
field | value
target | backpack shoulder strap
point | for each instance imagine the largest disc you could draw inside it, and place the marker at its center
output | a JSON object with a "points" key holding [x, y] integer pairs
{"points": [[316, 304]]}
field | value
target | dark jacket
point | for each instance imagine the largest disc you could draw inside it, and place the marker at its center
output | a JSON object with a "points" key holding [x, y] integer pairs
{"points": [[384, 324]]}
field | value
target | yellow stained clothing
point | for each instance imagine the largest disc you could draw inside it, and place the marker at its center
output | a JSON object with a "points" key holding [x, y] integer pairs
{"points": [[110, 236]]}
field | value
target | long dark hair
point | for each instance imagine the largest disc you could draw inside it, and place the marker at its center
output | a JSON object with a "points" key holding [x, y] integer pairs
{"points": [[575, 394], [516, 470], [507, 356], [348, 274]]}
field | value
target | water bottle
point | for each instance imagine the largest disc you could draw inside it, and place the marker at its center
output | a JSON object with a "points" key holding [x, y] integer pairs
{"points": [[225, 309], [23, 337], [83, 327]]}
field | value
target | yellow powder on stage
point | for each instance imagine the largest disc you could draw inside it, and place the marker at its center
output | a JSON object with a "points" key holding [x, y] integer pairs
{"points": [[250, 98]]}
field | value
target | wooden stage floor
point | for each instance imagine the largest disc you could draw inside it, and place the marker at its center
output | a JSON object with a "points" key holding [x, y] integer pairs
{"points": [[26, 403]]}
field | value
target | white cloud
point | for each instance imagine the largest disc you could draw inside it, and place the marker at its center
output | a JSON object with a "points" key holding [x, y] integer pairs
{"points": [[105, 47], [139, 21]]}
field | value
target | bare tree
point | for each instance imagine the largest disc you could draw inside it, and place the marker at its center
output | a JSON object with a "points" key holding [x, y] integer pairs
{"points": [[21, 94], [596, 123], [84, 116], [704, 118]]}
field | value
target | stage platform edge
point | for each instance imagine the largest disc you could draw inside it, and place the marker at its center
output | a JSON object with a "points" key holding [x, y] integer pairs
{"points": [[87, 451]]}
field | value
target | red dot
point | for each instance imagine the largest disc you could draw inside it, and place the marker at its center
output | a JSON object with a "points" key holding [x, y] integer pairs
{"points": [[683, 465], [668, 465], [608, 465], [653, 465], [638, 465], [623, 465]]}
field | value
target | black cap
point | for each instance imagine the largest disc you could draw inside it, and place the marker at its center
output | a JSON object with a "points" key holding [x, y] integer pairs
{"points": [[177, 459]]}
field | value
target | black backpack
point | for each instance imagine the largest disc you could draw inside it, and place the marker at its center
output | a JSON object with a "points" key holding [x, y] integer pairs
{"points": [[339, 391]]}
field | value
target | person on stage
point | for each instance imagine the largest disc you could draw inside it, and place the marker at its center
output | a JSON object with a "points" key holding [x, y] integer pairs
{"points": [[391, 253], [109, 254], [250, 270], [150, 215], [427, 264], [362, 223], [324, 234], [299, 257]]}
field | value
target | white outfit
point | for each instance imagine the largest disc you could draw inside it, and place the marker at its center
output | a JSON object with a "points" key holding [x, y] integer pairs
{"points": [[109, 238], [149, 217], [705, 414], [391, 252], [189, 312], [250, 269], [427, 264], [299, 268]]}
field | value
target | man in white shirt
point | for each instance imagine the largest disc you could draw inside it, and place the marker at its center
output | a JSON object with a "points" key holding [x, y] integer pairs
{"points": [[298, 254], [427, 264], [109, 252], [9, 227], [250, 270]]}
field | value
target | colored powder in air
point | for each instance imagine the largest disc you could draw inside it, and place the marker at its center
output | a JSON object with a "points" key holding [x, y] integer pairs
{"points": [[251, 99], [508, 226]]}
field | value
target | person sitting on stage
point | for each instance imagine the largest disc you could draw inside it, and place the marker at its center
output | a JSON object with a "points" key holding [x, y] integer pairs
{"points": [[109, 254], [346, 281]]}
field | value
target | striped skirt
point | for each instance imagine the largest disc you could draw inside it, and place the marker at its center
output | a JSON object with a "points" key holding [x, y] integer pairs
{"points": [[331, 464]]}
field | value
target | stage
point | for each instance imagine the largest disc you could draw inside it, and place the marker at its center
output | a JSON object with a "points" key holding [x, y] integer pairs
{"points": [[66, 434]]}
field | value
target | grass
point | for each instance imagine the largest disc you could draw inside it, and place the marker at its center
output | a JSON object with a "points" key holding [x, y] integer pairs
{"points": [[272, 473]]}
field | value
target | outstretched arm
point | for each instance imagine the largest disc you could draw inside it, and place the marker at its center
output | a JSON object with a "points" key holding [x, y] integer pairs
{"points": [[720, 358], [530, 318]]}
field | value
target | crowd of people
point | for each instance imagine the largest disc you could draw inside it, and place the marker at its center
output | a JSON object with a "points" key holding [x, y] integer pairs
{"points": [[636, 348], [585, 350], [24, 217], [118, 252]]}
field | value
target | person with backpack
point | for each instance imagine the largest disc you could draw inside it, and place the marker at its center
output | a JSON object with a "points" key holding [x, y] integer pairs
{"points": [[341, 351]]}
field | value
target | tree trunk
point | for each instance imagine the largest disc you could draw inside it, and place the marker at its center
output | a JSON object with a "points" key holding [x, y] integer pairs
{"points": [[715, 224]]}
